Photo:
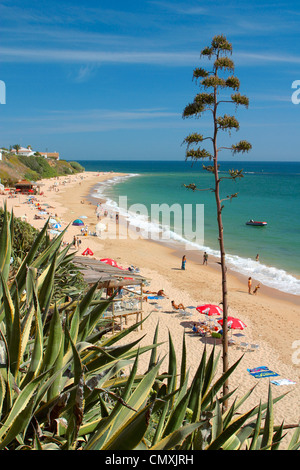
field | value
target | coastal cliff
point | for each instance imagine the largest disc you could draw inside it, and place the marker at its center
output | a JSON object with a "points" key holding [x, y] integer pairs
{"points": [[14, 168]]}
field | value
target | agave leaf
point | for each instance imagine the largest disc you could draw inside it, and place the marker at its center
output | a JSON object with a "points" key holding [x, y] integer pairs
{"points": [[49, 251], [153, 357], [76, 397], [103, 425], [183, 361], [107, 380], [9, 310], [19, 424], [209, 371], [227, 433], [235, 406], [6, 374], [20, 404], [12, 226], [294, 442], [177, 415], [14, 342], [117, 352], [218, 384], [89, 322], [121, 334], [136, 399], [161, 424], [74, 327], [269, 421], [55, 388], [233, 443], [2, 390], [5, 245], [55, 339], [37, 353], [172, 369], [30, 282], [86, 301], [131, 433], [196, 389], [277, 438], [22, 271], [171, 441], [45, 286], [217, 422]]}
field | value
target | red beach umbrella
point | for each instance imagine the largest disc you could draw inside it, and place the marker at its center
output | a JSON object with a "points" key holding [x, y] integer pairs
{"points": [[209, 309], [234, 323], [111, 262], [30, 190], [87, 252]]}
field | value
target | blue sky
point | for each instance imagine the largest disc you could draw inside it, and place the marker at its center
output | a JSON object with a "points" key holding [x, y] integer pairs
{"points": [[110, 79]]}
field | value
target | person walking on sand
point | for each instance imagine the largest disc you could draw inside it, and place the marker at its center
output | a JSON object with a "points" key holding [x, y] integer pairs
{"points": [[249, 284], [257, 257], [183, 262], [256, 289], [205, 258]]}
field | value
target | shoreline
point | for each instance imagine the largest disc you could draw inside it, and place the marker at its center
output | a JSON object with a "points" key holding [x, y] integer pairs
{"points": [[214, 262], [272, 321]]}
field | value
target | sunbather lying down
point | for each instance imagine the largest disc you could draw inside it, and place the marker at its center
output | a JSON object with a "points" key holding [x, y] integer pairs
{"points": [[161, 293], [197, 329], [177, 307]]}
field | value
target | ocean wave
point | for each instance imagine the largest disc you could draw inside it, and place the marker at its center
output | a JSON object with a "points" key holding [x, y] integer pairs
{"points": [[268, 275], [103, 185]]}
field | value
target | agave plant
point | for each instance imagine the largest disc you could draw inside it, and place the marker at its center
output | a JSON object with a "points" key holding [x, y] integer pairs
{"points": [[65, 383]]}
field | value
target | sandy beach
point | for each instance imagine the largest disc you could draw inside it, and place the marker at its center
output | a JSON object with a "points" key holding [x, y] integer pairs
{"points": [[272, 317]]}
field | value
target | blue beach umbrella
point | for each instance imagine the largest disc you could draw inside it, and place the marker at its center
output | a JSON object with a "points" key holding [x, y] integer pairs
{"points": [[78, 222]]}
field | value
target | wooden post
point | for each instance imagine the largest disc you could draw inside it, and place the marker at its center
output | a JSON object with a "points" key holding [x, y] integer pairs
{"points": [[113, 314]]}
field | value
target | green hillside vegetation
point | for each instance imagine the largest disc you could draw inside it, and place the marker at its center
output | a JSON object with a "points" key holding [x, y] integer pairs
{"points": [[17, 167]]}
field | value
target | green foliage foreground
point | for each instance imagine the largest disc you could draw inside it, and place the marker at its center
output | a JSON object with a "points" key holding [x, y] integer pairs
{"points": [[66, 384]]}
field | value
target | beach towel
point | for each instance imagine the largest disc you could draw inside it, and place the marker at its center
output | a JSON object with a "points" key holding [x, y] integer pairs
{"points": [[282, 382], [155, 297], [260, 372]]}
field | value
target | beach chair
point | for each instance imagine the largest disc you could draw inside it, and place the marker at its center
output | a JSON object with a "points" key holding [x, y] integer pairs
{"points": [[117, 306], [254, 347], [183, 313], [244, 346], [187, 313]]}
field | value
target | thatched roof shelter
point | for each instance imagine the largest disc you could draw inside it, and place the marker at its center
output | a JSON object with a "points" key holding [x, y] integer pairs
{"points": [[106, 276]]}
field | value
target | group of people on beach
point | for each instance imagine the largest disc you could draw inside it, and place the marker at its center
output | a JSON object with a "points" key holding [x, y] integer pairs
{"points": [[183, 261], [250, 286], [205, 258], [76, 242]]}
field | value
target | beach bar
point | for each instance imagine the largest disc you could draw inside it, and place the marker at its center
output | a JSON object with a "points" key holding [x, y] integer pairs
{"points": [[26, 187], [129, 287]]}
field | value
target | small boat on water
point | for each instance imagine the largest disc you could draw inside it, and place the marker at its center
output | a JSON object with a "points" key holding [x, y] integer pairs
{"points": [[256, 223]]}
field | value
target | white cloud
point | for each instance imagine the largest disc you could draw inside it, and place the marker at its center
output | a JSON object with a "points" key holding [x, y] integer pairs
{"points": [[11, 54]]}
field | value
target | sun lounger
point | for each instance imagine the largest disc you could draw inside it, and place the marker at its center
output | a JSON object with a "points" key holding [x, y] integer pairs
{"points": [[254, 347], [180, 311]]}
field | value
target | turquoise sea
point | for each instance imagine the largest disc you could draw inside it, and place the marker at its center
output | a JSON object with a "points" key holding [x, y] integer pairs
{"points": [[269, 191]]}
